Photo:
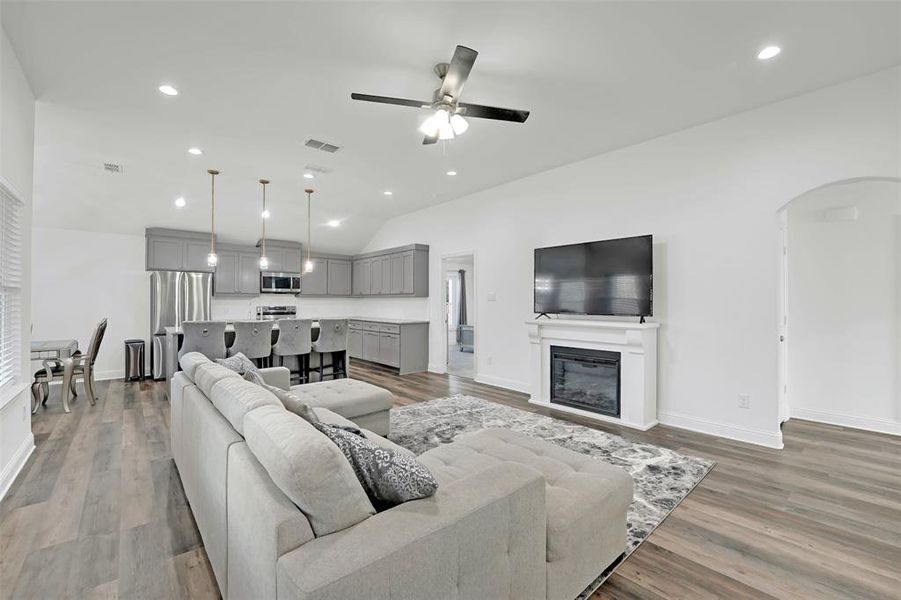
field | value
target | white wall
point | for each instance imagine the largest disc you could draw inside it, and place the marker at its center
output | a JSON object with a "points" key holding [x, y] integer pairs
{"points": [[843, 305], [83, 276], [16, 168], [710, 196]]}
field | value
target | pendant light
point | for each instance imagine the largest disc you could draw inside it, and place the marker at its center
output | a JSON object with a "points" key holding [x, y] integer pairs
{"points": [[264, 260], [308, 265], [212, 259]]}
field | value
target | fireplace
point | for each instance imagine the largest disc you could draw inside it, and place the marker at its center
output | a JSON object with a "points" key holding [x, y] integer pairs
{"points": [[586, 379]]}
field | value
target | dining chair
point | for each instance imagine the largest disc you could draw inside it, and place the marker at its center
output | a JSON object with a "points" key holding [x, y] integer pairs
{"points": [[332, 340], [68, 369]]}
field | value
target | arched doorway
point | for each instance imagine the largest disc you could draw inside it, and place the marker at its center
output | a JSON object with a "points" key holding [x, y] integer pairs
{"points": [[840, 313]]}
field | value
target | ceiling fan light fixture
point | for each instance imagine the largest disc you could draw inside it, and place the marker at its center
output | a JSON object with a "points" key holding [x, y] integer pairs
{"points": [[459, 124]]}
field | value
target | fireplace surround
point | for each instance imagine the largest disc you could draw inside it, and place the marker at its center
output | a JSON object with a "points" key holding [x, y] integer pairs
{"points": [[635, 344]]}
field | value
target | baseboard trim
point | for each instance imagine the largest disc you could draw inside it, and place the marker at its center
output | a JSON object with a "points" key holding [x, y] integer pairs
{"points": [[12, 469], [723, 430], [846, 420], [99, 376], [510, 384]]}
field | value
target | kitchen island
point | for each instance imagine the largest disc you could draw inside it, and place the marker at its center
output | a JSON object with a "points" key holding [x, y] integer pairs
{"points": [[399, 343]]}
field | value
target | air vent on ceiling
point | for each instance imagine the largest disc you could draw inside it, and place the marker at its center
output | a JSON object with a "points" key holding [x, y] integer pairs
{"points": [[320, 145], [317, 169], [113, 167]]}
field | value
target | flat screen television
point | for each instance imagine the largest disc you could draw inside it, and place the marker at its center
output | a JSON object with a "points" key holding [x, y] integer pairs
{"points": [[609, 277]]}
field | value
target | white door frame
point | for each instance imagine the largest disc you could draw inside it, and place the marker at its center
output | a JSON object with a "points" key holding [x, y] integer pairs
{"points": [[471, 288], [782, 328]]}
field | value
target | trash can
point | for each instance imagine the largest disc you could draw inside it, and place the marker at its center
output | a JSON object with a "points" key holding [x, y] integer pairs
{"points": [[134, 360]]}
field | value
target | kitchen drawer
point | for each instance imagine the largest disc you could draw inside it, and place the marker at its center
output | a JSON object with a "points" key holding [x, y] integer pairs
{"points": [[370, 326], [355, 325], [388, 328]]}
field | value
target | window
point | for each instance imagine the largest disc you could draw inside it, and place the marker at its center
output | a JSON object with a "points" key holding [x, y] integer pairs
{"points": [[10, 287]]}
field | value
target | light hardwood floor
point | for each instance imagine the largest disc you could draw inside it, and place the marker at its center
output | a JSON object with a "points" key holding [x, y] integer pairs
{"points": [[99, 511]]}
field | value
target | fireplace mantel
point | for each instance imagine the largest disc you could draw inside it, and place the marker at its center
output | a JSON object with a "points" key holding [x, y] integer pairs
{"points": [[637, 344]]}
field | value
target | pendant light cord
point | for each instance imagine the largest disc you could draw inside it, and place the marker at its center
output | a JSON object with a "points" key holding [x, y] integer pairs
{"points": [[264, 182], [309, 221], [213, 174]]}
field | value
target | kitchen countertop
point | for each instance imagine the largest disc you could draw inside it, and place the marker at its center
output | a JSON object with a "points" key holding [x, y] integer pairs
{"points": [[229, 327]]}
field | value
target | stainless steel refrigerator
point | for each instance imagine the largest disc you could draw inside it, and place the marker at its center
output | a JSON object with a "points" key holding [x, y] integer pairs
{"points": [[175, 297]]}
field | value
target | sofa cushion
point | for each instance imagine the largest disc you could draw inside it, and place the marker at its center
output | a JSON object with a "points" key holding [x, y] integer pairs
{"points": [[308, 468], [208, 374], [389, 478], [234, 398], [190, 361], [348, 397]]}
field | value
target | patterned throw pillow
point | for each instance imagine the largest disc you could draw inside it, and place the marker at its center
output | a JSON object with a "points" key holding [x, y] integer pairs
{"points": [[293, 403], [254, 377], [238, 363], [389, 478]]}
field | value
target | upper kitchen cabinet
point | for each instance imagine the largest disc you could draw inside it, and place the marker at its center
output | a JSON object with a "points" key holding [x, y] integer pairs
{"points": [[400, 271], [284, 256], [176, 250], [331, 276], [238, 271]]}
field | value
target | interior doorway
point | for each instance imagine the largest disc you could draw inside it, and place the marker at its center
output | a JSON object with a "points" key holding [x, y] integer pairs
{"points": [[458, 273], [840, 305]]}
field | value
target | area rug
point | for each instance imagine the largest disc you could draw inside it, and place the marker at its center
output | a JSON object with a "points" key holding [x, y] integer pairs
{"points": [[662, 477]]}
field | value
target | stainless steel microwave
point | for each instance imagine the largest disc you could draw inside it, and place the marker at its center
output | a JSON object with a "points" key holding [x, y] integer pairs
{"points": [[280, 283]]}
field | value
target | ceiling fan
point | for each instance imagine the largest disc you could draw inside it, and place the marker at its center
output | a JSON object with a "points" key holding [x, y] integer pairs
{"points": [[448, 119]]}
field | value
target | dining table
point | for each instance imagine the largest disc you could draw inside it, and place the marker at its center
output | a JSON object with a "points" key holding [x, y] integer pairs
{"points": [[61, 350]]}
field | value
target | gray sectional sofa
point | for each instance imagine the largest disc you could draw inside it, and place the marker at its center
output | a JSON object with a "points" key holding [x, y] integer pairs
{"points": [[513, 517]]}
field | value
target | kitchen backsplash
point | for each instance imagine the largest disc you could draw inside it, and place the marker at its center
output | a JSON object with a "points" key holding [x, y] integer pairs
{"points": [[234, 309]]}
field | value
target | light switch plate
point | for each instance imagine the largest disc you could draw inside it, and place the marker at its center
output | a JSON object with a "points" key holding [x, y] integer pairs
{"points": [[492, 296]]}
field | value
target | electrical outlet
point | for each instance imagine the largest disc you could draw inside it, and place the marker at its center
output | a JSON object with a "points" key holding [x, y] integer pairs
{"points": [[492, 296], [489, 360], [744, 401]]}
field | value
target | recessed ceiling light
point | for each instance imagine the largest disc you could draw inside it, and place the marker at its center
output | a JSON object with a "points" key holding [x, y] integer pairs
{"points": [[308, 176], [195, 151], [168, 90], [451, 173], [388, 193], [769, 52], [180, 202], [334, 223]]}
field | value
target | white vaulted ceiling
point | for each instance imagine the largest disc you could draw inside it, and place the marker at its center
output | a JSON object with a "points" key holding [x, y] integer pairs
{"points": [[256, 79]]}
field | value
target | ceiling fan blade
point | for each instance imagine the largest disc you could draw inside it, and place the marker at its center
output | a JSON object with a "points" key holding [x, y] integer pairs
{"points": [[493, 112], [429, 139], [458, 72], [390, 100]]}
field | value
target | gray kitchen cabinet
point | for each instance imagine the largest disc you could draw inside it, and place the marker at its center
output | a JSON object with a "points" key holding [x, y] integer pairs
{"points": [[284, 256], [375, 277], [164, 254], [249, 273], [238, 272], [339, 277], [355, 343], [389, 349], [315, 283], [403, 345], [402, 271], [225, 278], [371, 346], [196, 252], [361, 277]]}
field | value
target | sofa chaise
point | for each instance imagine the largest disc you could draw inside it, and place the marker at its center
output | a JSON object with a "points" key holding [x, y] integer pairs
{"points": [[513, 517]]}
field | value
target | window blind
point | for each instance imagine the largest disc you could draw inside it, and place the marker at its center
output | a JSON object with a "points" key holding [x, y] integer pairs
{"points": [[10, 287]]}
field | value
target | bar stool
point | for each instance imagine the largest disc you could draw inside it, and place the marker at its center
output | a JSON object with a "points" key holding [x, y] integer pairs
{"points": [[332, 340], [253, 339], [206, 337], [295, 339]]}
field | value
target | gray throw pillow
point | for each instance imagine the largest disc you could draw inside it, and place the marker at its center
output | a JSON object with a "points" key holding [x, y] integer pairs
{"points": [[389, 478], [238, 363], [293, 404], [254, 377]]}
